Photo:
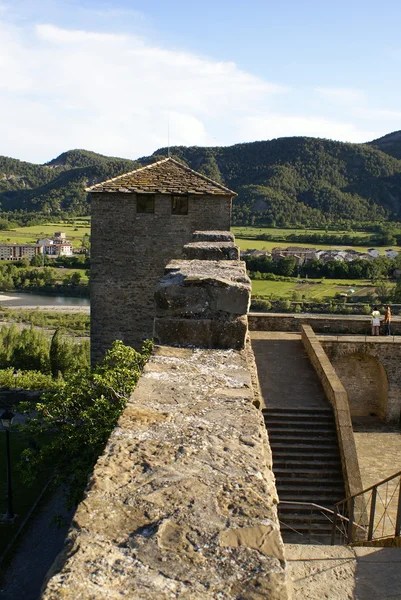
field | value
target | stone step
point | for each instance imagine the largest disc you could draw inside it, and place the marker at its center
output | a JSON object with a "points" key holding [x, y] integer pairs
{"points": [[283, 423], [301, 431], [305, 474], [302, 517], [294, 438], [327, 498], [283, 448], [308, 462], [298, 411]]}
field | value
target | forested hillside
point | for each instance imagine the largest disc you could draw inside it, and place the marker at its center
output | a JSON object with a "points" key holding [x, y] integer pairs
{"points": [[287, 181]]}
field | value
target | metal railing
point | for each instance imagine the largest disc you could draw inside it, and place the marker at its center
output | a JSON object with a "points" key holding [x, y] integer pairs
{"points": [[308, 535], [374, 513]]}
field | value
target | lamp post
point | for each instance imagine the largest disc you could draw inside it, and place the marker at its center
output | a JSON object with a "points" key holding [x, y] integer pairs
{"points": [[6, 419]]}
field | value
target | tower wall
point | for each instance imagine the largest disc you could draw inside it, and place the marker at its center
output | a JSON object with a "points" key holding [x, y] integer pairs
{"points": [[129, 251]]}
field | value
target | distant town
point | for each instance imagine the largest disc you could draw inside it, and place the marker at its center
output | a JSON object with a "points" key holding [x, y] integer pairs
{"points": [[57, 246], [304, 255]]}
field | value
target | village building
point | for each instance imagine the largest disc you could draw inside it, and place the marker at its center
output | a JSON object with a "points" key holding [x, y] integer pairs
{"points": [[390, 253], [19, 251]]}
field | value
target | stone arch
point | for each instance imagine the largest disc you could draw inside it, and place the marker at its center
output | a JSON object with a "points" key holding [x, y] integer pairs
{"points": [[365, 380]]}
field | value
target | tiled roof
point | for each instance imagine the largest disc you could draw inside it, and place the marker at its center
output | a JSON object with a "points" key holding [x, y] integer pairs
{"points": [[167, 176]]}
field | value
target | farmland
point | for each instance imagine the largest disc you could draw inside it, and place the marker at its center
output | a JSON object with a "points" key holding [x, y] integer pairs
{"points": [[314, 289], [245, 239], [29, 235]]}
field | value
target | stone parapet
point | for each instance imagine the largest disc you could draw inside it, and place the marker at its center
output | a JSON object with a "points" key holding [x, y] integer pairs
{"points": [[203, 303], [211, 251], [337, 396], [203, 288], [348, 324], [182, 503], [213, 236]]}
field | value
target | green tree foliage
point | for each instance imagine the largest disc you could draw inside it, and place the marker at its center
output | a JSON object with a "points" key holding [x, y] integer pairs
{"points": [[30, 349], [288, 181], [13, 276], [78, 418]]}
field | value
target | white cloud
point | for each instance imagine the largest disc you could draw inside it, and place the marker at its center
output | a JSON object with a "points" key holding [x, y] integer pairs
{"points": [[114, 94], [341, 95], [287, 125]]}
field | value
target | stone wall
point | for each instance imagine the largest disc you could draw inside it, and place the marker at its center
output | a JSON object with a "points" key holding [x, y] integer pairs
{"points": [[338, 398], [128, 254], [370, 371], [182, 504], [351, 324]]}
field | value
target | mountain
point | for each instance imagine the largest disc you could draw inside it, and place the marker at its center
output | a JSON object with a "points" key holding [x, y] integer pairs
{"points": [[286, 181], [390, 144]]}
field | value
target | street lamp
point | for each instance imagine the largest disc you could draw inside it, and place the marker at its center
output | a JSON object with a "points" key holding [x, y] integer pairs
{"points": [[6, 419]]}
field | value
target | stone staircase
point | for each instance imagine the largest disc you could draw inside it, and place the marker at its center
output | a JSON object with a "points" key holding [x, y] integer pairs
{"points": [[307, 466]]}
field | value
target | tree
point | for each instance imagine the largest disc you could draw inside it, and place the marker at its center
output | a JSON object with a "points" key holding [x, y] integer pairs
{"points": [[79, 416], [37, 260]]}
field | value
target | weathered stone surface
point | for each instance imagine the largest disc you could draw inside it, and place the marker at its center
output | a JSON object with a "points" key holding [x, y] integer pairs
{"points": [[201, 333], [211, 251], [203, 288], [213, 236], [182, 504]]}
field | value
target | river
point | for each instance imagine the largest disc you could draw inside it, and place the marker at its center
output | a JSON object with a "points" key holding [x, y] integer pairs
{"points": [[67, 303]]}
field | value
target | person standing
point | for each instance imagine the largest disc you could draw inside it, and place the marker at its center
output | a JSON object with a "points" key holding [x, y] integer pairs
{"points": [[375, 321], [387, 321]]}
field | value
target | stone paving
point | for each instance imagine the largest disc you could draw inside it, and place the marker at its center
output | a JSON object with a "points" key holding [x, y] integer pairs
{"points": [[286, 376], [343, 573]]}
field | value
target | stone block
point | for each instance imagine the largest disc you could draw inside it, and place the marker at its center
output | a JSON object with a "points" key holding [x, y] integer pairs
{"points": [[211, 251], [213, 236], [201, 333], [203, 289]]}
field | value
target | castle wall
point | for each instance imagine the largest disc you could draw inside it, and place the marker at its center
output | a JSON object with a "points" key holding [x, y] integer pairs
{"points": [[377, 362], [129, 251], [352, 324], [182, 503]]}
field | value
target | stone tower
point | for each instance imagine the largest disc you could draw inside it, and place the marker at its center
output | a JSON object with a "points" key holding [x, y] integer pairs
{"points": [[140, 221]]}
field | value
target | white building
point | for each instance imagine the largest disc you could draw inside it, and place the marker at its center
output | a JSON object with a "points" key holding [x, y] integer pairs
{"points": [[390, 253], [374, 252]]}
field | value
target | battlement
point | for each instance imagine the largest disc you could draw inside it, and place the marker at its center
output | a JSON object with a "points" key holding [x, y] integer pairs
{"points": [[182, 503]]}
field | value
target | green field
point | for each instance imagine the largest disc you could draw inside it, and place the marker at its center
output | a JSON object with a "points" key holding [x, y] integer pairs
{"points": [[279, 231], [248, 243], [30, 235], [313, 289]]}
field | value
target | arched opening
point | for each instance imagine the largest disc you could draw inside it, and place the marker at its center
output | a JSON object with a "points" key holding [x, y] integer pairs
{"points": [[365, 381]]}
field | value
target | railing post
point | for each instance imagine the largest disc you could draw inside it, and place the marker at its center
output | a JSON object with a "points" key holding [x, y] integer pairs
{"points": [[333, 529], [398, 519], [351, 520], [372, 513]]}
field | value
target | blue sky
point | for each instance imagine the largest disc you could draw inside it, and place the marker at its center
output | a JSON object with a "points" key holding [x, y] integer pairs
{"points": [[109, 76]]}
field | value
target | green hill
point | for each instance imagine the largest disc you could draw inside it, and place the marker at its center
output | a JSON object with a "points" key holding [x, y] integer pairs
{"points": [[287, 181]]}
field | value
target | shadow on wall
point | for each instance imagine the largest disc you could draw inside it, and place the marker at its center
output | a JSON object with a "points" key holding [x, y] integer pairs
{"points": [[366, 383]]}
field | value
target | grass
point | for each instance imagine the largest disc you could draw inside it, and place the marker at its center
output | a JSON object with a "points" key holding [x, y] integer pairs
{"points": [[24, 496], [253, 231], [313, 289], [30, 235], [246, 242]]}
